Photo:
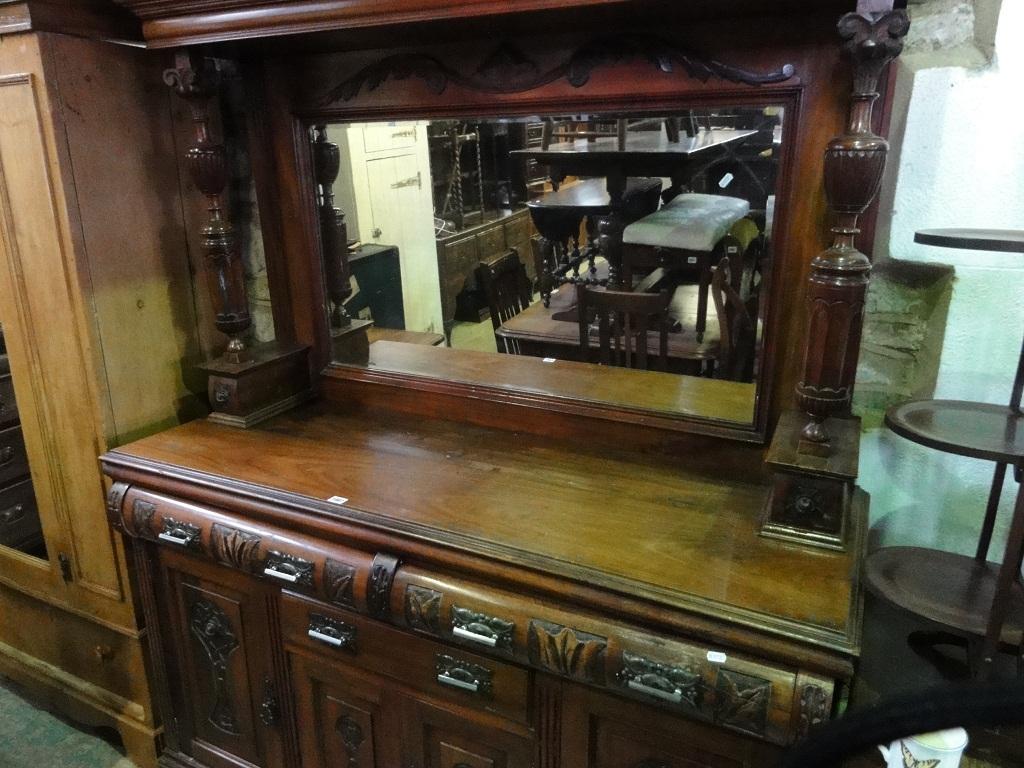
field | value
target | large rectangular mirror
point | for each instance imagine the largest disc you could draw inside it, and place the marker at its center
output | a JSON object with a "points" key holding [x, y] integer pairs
{"points": [[618, 259]]}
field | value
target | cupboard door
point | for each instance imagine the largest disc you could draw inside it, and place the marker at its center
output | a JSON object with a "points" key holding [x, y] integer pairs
{"points": [[341, 715], [222, 664], [601, 731], [437, 736]]}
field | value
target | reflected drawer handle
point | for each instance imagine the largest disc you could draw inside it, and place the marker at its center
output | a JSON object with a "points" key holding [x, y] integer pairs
{"points": [[12, 514], [676, 696], [6, 454], [291, 578], [404, 134], [465, 634]]}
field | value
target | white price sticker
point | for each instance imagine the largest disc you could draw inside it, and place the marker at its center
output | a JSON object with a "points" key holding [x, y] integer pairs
{"points": [[717, 657], [337, 500]]}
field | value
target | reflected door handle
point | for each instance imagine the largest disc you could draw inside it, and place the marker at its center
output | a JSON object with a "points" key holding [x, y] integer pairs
{"points": [[376, 232], [412, 181]]}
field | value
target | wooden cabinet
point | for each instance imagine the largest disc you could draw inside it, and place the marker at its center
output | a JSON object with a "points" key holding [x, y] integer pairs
{"points": [[218, 628], [93, 268]]}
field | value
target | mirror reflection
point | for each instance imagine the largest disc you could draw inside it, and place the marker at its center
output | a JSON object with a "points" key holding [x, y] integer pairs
{"points": [[587, 244], [19, 518]]}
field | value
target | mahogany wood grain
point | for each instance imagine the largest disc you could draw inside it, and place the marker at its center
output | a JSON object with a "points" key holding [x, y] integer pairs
{"points": [[496, 498]]}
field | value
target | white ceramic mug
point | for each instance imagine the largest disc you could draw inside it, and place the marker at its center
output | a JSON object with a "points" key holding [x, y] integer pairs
{"points": [[942, 749]]}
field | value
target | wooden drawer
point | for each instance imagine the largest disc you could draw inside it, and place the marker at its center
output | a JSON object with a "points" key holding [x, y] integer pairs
{"points": [[491, 243], [13, 459], [338, 574], [708, 683], [517, 230], [382, 137], [19, 518], [448, 673]]}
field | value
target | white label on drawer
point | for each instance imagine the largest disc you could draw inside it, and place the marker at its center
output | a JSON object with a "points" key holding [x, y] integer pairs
{"points": [[717, 657], [337, 499], [550, 360]]}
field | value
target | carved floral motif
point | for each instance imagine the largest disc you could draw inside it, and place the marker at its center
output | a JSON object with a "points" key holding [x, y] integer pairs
{"points": [[567, 652], [338, 578], [814, 702], [235, 548], [423, 609], [741, 701], [211, 626], [508, 70]]}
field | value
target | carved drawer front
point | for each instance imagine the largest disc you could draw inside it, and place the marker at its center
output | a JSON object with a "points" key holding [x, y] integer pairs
{"points": [[517, 230], [8, 405], [19, 517], [13, 459], [338, 574], [694, 680], [347, 639]]}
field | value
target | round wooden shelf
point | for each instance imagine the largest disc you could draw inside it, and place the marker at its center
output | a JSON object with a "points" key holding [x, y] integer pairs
{"points": [[950, 589], [978, 430], [1006, 240]]}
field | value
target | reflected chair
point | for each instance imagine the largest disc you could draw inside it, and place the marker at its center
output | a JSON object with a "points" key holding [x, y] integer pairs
{"points": [[623, 320], [737, 329], [508, 290]]}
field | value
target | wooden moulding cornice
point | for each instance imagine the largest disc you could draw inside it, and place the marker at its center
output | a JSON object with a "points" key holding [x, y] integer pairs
{"points": [[99, 19], [168, 23], [794, 642]]}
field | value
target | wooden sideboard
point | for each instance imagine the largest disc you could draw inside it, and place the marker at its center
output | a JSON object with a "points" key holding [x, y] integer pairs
{"points": [[595, 610]]}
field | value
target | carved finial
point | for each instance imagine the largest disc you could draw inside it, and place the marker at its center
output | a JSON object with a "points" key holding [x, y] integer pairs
{"points": [[872, 45], [333, 231]]}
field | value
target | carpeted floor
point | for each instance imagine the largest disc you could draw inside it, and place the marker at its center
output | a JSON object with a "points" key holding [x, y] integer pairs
{"points": [[33, 738]]}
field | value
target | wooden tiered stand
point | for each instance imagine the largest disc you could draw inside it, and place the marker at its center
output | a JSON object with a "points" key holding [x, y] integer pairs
{"points": [[981, 599]]}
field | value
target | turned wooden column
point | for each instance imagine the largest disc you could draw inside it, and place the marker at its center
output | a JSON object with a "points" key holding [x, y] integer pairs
{"points": [[333, 232], [839, 276], [195, 80]]}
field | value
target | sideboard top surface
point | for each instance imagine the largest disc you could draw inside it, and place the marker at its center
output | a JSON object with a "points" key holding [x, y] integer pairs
{"points": [[639, 524]]}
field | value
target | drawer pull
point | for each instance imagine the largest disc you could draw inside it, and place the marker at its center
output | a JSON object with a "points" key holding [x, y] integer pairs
{"points": [[675, 684], [412, 181], [410, 133], [332, 632], [179, 534], [291, 578], [12, 515], [464, 675], [465, 634], [675, 696], [480, 628], [288, 568], [6, 454]]}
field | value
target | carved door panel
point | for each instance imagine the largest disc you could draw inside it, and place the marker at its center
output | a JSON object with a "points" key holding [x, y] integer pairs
{"points": [[450, 737], [222, 670], [343, 716], [601, 731]]}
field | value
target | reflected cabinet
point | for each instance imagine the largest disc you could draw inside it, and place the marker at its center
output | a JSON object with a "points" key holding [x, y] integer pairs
{"points": [[546, 285]]}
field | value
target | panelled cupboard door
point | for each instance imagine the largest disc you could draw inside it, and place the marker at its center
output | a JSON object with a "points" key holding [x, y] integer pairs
{"points": [[445, 736], [342, 716], [221, 670], [601, 731]]}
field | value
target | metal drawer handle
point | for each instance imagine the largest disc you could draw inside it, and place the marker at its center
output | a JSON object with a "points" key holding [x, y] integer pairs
{"points": [[464, 675], [170, 538], [6, 454], [332, 632], [12, 514], [411, 132], [676, 696], [465, 634], [473, 686], [291, 578], [178, 533]]}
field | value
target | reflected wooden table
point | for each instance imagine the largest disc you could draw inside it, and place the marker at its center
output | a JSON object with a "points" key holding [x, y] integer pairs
{"points": [[553, 332], [646, 154]]}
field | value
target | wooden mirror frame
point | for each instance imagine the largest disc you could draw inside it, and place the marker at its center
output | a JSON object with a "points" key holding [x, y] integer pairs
{"points": [[814, 97]]}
